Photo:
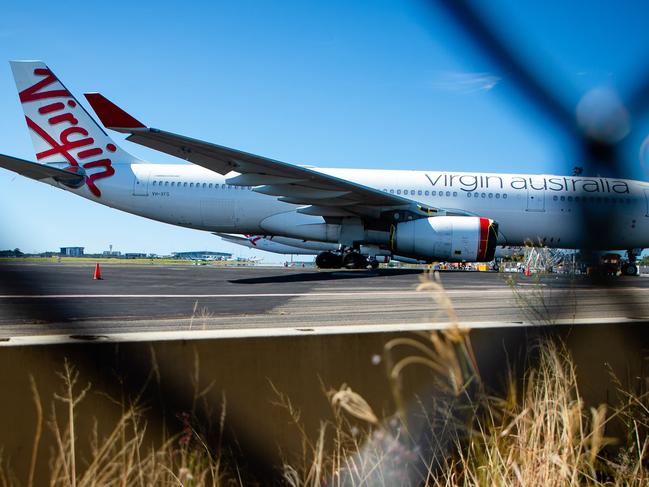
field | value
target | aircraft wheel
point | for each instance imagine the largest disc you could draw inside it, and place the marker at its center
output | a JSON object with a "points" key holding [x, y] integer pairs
{"points": [[630, 270], [374, 264], [328, 260], [354, 260]]}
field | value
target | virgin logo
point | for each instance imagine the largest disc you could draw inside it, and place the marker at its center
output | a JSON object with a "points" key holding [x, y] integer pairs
{"points": [[58, 119], [253, 239]]}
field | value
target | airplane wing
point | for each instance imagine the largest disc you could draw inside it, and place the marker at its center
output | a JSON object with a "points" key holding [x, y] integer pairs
{"points": [[321, 194], [37, 171]]}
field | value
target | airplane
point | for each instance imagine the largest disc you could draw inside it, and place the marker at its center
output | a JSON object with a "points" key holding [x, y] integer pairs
{"points": [[421, 215]]}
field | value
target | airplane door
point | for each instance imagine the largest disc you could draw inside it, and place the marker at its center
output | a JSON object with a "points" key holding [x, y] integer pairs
{"points": [[141, 184], [535, 200], [646, 198]]}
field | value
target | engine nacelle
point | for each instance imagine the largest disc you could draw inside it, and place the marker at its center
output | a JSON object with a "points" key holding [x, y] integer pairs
{"points": [[458, 238]]}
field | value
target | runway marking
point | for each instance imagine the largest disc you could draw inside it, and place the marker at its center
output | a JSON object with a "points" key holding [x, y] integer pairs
{"points": [[249, 295], [315, 294], [273, 332]]}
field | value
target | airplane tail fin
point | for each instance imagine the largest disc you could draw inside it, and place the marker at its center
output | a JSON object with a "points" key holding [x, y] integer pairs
{"points": [[62, 132]]}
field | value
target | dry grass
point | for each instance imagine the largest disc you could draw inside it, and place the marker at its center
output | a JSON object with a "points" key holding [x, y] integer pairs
{"points": [[538, 433]]}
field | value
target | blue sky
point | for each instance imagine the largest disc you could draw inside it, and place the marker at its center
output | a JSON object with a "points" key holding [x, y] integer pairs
{"points": [[372, 84]]}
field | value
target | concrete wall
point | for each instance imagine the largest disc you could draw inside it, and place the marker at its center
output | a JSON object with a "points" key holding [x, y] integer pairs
{"points": [[300, 367]]}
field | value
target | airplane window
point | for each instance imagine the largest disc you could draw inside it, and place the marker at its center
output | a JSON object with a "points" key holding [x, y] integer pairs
{"points": [[569, 198], [497, 195], [223, 186], [185, 185], [398, 191], [191, 185], [391, 191], [577, 199], [204, 185], [555, 198], [412, 191], [484, 195], [505, 196], [166, 183], [426, 192], [448, 193], [209, 185], [563, 198], [468, 195], [491, 195], [173, 183], [454, 194], [434, 193], [419, 192]]}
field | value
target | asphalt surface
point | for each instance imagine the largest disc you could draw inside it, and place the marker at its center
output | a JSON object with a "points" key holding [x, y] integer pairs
{"points": [[37, 299]]}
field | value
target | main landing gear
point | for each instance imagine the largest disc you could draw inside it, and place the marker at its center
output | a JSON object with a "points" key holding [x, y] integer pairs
{"points": [[348, 260], [354, 260], [329, 260], [631, 267]]}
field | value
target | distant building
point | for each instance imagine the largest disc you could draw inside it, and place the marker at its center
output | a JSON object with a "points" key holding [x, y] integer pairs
{"points": [[72, 251], [111, 253], [202, 255], [134, 255]]}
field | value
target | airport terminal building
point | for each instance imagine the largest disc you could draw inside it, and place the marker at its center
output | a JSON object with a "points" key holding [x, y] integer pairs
{"points": [[72, 251]]}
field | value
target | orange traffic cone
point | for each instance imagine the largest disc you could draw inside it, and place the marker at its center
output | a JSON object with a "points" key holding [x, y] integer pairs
{"points": [[97, 275]]}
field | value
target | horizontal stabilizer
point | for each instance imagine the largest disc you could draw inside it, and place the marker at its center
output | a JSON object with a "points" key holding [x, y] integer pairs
{"points": [[38, 171]]}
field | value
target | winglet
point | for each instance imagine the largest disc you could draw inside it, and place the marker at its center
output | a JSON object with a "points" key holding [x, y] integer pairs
{"points": [[111, 115]]}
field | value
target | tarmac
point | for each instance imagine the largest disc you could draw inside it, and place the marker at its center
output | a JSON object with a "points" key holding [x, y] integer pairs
{"points": [[136, 301]]}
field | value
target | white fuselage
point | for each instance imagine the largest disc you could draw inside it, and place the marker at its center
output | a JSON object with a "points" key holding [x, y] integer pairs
{"points": [[536, 208]]}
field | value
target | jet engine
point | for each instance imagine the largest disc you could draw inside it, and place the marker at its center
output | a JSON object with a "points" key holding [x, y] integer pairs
{"points": [[451, 238]]}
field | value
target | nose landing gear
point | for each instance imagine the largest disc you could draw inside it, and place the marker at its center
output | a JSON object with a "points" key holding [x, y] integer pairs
{"points": [[631, 267]]}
